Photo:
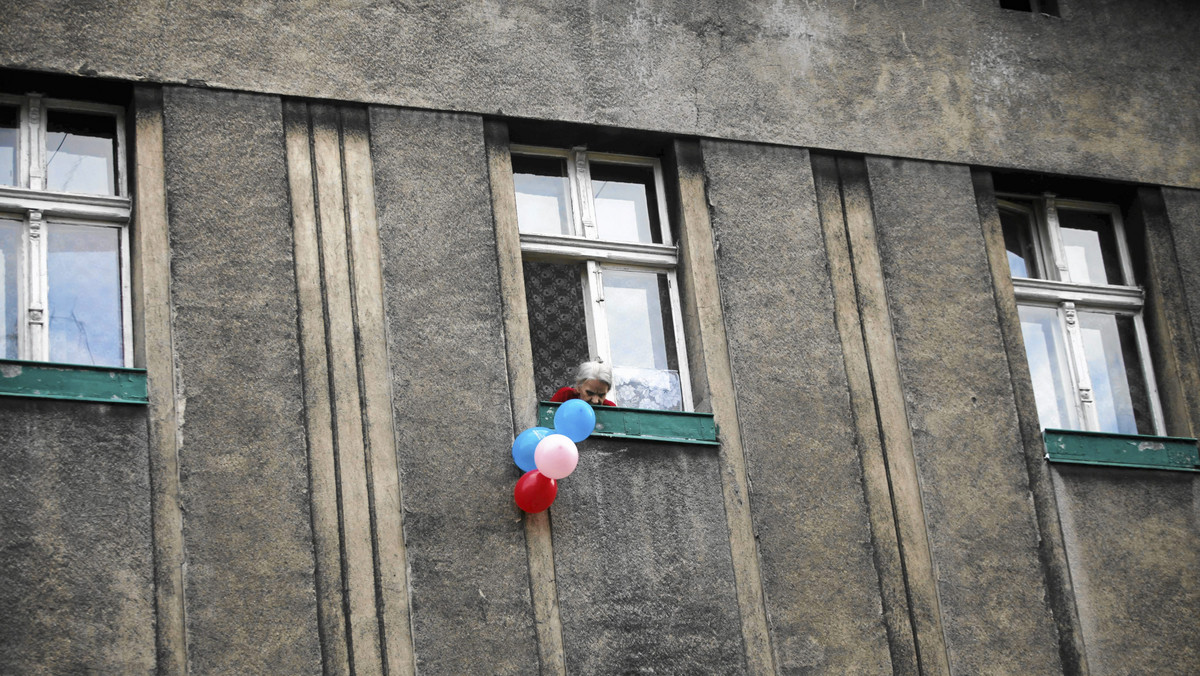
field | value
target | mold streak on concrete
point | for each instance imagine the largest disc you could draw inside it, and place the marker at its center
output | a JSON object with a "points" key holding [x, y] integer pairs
{"points": [[318, 411], [920, 572], [251, 600], [886, 549], [391, 560], [975, 492], [155, 351], [356, 505], [806, 493], [454, 424]]}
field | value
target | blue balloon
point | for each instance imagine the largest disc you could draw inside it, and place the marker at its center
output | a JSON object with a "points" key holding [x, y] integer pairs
{"points": [[524, 445], [575, 419]]}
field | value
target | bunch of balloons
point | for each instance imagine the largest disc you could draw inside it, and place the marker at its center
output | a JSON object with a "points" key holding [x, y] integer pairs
{"points": [[547, 455]]}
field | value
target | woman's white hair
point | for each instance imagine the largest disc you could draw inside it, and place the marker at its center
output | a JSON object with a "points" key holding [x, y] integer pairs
{"points": [[594, 370]]}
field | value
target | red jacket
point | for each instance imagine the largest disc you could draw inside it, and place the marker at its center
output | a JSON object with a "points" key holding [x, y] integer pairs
{"points": [[567, 393]]}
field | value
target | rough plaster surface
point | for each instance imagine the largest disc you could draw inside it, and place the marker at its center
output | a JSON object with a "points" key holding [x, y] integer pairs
{"points": [[1183, 210], [1108, 89], [251, 600], [641, 557], [1133, 546], [807, 500], [961, 410], [469, 575], [76, 576]]}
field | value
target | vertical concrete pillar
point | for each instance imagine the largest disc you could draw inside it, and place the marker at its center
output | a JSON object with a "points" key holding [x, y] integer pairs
{"points": [[155, 351], [958, 399], [805, 477], [362, 577], [844, 203], [1052, 549], [248, 551], [454, 424]]}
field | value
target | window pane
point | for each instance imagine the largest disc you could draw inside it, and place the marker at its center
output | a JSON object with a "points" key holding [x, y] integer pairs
{"points": [[626, 203], [80, 153], [543, 204], [557, 324], [10, 122], [1018, 240], [1122, 402], [1046, 352], [1090, 247], [10, 276], [83, 266], [641, 335]]}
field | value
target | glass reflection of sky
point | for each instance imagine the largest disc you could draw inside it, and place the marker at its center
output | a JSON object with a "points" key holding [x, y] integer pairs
{"points": [[1016, 265], [1044, 349], [637, 339], [1085, 261], [8, 145], [83, 265], [1106, 367], [542, 204], [80, 153], [635, 320], [10, 266], [621, 213]]}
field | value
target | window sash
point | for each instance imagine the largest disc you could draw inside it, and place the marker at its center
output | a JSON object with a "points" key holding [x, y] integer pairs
{"points": [[36, 208], [1056, 290], [584, 245], [1048, 239]]}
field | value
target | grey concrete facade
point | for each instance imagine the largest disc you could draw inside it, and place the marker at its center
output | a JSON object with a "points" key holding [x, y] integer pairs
{"points": [[329, 303]]}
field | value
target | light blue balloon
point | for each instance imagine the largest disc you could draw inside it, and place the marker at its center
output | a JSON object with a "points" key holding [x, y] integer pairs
{"points": [[524, 445], [575, 419]]}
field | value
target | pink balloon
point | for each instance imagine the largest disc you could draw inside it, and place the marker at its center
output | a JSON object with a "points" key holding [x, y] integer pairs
{"points": [[556, 456]]}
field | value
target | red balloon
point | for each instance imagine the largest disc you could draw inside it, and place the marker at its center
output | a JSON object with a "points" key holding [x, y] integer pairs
{"points": [[535, 491]]}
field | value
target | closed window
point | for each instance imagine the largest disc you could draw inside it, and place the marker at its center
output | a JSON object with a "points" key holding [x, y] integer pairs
{"points": [[64, 241], [599, 263], [1081, 315]]}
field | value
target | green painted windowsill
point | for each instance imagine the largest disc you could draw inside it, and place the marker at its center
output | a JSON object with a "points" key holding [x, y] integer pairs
{"points": [[616, 422], [1122, 450], [76, 382]]}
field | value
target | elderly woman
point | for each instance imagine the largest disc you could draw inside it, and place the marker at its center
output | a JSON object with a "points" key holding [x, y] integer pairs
{"points": [[593, 380]]}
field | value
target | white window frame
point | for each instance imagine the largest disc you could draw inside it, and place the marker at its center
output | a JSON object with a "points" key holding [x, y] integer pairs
{"points": [[584, 246], [36, 207], [1056, 290]]}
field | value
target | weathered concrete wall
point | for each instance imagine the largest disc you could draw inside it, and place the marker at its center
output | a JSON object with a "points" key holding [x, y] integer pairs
{"points": [[250, 595], [641, 556], [1183, 212], [983, 535], [465, 541], [810, 516], [1109, 89], [1134, 549], [76, 576]]}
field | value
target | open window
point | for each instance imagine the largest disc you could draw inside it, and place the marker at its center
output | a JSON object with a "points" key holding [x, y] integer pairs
{"points": [[1080, 308], [599, 266], [64, 240]]}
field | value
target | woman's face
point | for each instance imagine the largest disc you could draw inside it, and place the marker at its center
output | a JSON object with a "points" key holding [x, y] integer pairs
{"points": [[592, 391]]}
